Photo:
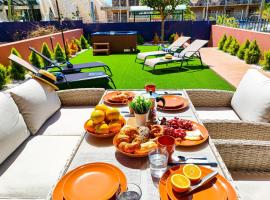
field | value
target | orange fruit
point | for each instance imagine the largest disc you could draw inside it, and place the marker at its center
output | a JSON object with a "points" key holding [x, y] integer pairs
{"points": [[115, 126], [98, 116], [122, 120], [90, 126], [180, 183], [193, 172], [102, 107], [112, 114], [102, 128]]}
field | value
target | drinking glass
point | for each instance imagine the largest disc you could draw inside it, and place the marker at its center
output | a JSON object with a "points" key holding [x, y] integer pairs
{"points": [[150, 87], [158, 159], [133, 192]]}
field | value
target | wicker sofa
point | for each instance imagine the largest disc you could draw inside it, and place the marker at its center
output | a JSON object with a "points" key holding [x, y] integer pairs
{"points": [[30, 164], [243, 144]]}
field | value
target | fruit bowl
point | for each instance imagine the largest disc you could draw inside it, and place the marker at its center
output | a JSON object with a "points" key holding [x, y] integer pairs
{"points": [[104, 122]]}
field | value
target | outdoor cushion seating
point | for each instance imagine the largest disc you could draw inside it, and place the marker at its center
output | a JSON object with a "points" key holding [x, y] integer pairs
{"points": [[244, 144], [170, 49], [31, 171], [216, 113], [192, 51]]}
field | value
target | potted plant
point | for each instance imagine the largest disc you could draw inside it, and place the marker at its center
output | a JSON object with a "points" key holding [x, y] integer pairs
{"points": [[141, 106]]}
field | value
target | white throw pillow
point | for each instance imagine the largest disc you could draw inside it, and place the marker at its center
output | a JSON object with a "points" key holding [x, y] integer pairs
{"points": [[251, 100], [36, 101], [13, 130]]}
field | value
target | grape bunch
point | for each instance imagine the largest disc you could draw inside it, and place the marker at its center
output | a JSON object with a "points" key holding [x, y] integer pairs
{"points": [[176, 127]]}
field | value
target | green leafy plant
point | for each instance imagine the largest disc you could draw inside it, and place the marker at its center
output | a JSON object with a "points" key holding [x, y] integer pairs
{"points": [[234, 46], [242, 50], [68, 50], [46, 52], [140, 39], [222, 42], [78, 43], [253, 53], [227, 21], [3, 76], [227, 44], [17, 72], [266, 60], [35, 60], [140, 105], [84, 43], [59, 53]]}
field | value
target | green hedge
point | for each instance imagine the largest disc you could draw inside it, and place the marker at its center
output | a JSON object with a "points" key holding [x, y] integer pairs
{"points": [[17, 72], [3, 76], [222, 42], [46, 52], [253, 53], [227, 44], [242, 50]]}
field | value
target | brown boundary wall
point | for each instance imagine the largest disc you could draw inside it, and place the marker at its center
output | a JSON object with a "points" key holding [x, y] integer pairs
{"points": [[22, 45], [263, 39]]}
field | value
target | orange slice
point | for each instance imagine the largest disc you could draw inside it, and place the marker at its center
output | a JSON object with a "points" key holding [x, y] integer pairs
{"points": [[180, 183], [193, 172]]}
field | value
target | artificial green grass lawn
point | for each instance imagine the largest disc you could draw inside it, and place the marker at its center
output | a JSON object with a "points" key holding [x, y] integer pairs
{"points": [[129, 75]]}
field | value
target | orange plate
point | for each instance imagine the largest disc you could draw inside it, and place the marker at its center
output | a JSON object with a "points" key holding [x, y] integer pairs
{"points": [[218, 188], [98, 135], [58, 190], [107, 97], [173, 103], [203, 131], [128, 154]]}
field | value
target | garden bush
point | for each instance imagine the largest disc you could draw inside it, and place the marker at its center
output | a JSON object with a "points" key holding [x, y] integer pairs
{"points": [[171, 38], [59, 53], [35, 60], [222, 42], [253, 53], [46, 52], [140, 39], [266, 60], [78, 44], [84, 43], [68, 50], [17, 72], [234, 46], [242, 49], [227, 44], [73, 47], [3, 76]]}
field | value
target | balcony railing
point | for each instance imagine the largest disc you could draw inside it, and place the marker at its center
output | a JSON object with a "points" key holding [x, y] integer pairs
{"points": [[224, 2]]}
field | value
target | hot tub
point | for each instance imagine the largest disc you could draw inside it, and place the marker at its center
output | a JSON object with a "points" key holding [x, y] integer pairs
{"points": [[120, 41]]}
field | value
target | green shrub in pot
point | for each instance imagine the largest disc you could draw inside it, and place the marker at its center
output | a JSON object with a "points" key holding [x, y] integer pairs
{"points": [[140, 105]]}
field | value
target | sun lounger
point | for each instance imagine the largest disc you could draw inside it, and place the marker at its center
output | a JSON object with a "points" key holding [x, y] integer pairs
{"points": [[192, 51], [171, 49], [61, 77], [75, 67]]}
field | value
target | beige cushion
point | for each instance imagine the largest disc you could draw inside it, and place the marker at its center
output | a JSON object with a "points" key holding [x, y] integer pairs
{"points": [[251, 100], [252, 186], [216, 113], [36, 101], [67, 121], [34, 168], [13, 130]]}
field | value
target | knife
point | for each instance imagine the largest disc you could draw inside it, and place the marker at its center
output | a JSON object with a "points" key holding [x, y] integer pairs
{"points": [[212, 164], [203, 181]]}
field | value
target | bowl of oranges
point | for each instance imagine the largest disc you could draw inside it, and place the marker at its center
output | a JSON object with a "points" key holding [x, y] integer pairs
{"points": [[104, 122]]}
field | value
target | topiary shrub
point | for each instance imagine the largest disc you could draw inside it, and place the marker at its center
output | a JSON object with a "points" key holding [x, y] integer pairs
{"points": [[17, 72], [222, 42], [140, 39], [242, 49], [35, 60], [234, 46], [253, 53], [227, 44], [84, 43], [46, 52], [3, 76], [68, 50], [73, 47], [266, 60], [78, 44], [59, 53]]}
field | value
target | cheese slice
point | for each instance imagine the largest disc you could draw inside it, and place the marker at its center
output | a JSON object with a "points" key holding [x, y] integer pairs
{"points": [[193, 135]]}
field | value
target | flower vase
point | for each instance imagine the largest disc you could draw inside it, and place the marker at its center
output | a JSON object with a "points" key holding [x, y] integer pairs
{"points": [[141, 119]]}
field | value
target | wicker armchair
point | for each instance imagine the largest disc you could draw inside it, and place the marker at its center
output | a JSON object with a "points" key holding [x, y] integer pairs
{"points": [[243, 145]]}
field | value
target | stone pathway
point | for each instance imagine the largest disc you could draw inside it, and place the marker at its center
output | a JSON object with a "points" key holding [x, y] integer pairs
{"points": [[229, 67]]}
